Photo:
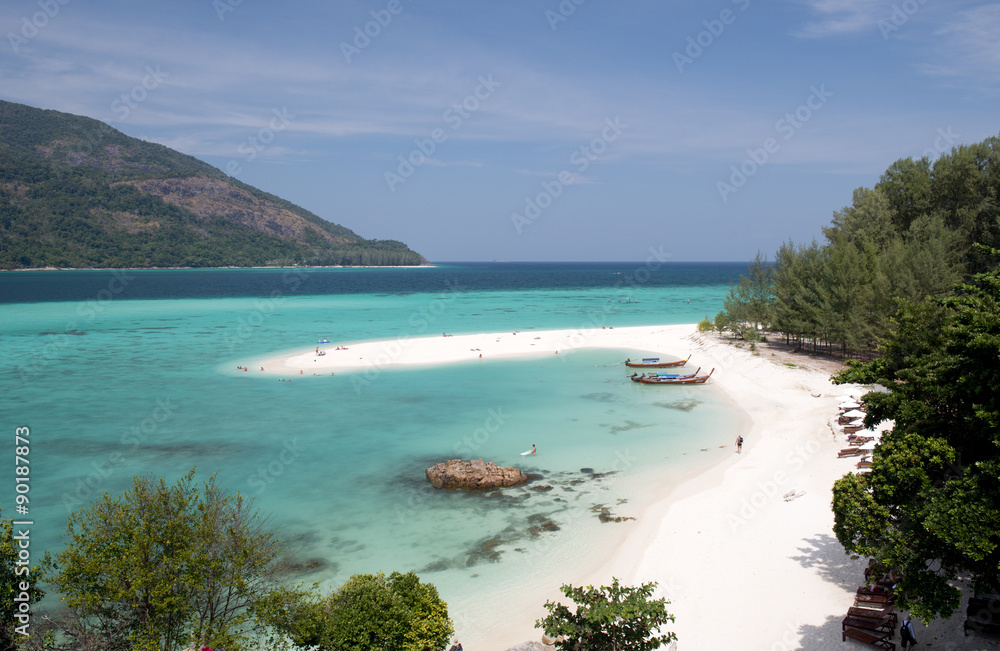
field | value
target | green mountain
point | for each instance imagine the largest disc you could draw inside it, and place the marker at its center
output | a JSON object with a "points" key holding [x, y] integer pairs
{"points": [[76, 193]]}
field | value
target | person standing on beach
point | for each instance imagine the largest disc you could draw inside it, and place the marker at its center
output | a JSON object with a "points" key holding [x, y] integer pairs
{"points": [[739, 444], [907, 636]]}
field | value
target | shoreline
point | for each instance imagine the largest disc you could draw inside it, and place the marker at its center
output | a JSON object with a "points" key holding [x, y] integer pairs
{"points": [[726, 544], [721, 540], [375, 356]]}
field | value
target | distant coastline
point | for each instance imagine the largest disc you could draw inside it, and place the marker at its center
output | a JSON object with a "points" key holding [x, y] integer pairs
{"points": [[334, 266]]}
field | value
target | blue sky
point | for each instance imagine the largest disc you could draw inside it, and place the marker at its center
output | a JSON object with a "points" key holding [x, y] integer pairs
{"points": [[545, 130]]}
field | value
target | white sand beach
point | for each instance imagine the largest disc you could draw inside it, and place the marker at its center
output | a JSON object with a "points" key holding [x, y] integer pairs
{"points": [[372, 356], [743, 566]]}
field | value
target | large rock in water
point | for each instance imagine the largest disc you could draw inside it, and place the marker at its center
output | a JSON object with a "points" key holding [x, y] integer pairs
{"points": [[473, 474]]}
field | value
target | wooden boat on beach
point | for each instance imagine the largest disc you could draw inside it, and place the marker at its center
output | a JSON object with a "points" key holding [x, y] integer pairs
{"points": [[654, 362], [635, 377], [697, 379]]}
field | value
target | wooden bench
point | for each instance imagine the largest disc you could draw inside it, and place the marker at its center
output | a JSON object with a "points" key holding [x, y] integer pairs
{"points": [[868, 598], [878, 641], [874, 613], [982, 616], [850, 452], [880, 625], [874, 589]]}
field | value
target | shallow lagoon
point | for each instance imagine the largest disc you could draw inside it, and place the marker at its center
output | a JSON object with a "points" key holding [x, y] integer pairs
{"points": [[114, 386]]}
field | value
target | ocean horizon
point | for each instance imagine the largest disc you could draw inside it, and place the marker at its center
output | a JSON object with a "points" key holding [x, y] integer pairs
{"points": [[124, 373]]}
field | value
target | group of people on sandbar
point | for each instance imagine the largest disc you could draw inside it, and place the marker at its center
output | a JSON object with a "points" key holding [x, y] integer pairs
{"points": [[320, 353]]}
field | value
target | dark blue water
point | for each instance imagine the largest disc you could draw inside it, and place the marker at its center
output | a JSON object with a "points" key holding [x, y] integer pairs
{"points": [[44, 286]]}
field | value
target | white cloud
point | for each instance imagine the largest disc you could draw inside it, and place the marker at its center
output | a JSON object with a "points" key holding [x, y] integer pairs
{"points": [[968, 49], [842, 17]]}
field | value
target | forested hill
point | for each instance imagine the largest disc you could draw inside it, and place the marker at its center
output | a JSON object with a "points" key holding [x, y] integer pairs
{"points": [[76, 193]]}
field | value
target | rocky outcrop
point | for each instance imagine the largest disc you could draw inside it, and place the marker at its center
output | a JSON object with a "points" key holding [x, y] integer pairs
{"points": [[473, 475]]}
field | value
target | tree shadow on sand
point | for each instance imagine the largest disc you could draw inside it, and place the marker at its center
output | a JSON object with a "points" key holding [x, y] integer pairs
{"points": [[824, 553]]}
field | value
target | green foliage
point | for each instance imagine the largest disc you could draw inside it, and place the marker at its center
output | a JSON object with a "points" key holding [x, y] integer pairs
{"points": [[159, 564], [18, 585], [705, 325], [608, 618], [748, 304], [370, 611], [68, 199], [914, 235], [722, 322], [931, 506]]}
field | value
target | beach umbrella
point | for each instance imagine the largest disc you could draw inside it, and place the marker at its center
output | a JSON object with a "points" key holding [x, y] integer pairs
{"points": [[870, 445], [854, 413], [850, 404]]}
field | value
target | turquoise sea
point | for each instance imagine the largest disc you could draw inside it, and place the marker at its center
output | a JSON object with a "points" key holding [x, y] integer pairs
{"points": [[125, 373]]}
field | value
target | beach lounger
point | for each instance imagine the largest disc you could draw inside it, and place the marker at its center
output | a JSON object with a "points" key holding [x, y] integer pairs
{"points": [[868, 589], [882, 625], [874, 613], [858, 440], [864, 463], [850, 452], [876, 568], [850, 429], [868, 598], [877, 641]]}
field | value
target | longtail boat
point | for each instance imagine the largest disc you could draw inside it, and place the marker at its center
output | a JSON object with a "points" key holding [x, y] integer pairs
{"points": [[701, 379], [635, 377], [654, 362]]}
